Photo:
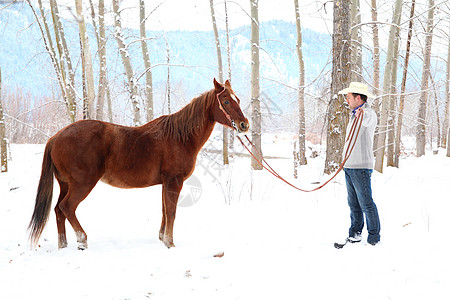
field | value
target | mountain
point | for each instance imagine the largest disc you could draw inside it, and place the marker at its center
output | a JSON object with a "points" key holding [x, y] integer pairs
{"points": [[26, 65]]}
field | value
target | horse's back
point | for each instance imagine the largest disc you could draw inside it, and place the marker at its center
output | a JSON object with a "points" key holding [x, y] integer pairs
{"points": [[79, 150]]}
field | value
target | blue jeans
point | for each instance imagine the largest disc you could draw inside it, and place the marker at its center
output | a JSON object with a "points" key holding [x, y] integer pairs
{"points": [[361, 203]]}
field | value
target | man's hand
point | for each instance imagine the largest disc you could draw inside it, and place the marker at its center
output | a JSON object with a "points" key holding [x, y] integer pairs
{"points": [[359, 112]]}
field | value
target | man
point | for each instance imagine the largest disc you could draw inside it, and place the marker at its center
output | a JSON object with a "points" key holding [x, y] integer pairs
{"points": [[359, 166]]}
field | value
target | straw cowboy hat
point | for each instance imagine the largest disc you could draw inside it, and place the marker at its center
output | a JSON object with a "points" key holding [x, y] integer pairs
{"points": [[357, 88]]}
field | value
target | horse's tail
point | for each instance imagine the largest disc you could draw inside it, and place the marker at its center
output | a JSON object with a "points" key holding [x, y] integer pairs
{"points": [[43, 198]]}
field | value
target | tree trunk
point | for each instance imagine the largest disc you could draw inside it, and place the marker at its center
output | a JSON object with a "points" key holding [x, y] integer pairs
{"points": [[147, 64], [87, 58], [301, 91], [403, 89], [65, 60], [381, 141], [71, 109], [445, 126], [3, 147], [132, 84], [337, 115], [101, 45], [356, 43], [376, 68], [421, 116], [392, 103], [230, 132], [220, 70], [256, 111]]}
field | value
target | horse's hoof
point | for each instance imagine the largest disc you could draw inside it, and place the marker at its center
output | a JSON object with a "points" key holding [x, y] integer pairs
{"points": [[82, 247], [169, 244]]}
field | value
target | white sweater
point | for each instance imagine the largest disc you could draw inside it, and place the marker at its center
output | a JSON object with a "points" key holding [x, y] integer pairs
{"points": [[362, 154]]}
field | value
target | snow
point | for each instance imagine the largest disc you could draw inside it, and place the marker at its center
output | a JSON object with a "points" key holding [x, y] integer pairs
{"points": [[277, 242]]}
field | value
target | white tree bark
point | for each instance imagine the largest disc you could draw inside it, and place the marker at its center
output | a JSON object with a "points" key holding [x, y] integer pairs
{"points": [[381, 141]]}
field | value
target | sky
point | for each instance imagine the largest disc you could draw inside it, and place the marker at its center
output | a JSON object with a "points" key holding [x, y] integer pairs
{"points": [[196, 14]]}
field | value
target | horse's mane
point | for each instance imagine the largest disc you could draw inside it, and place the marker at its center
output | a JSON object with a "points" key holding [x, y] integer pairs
{"points": [[183, 124]]}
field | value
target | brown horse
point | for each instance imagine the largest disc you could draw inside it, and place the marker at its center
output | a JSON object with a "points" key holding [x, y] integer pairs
{"points": [[163, 151]]}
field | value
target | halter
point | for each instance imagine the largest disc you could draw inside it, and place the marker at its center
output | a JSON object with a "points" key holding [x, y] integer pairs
{"points": [[227, 115]]}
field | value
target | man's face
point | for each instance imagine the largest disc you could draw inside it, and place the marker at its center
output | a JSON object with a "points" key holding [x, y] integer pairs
{"points": [[353, 102]]}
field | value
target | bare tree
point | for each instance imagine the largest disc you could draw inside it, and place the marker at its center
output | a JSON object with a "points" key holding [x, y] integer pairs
{"points": [[403, 88], [376, 67], [445, 126], [392, 102], [356, 44], [3, 148], [421, 116], [86, 59], [255, 101], [101, 45], [301, 91], [64, 58], [220, 70], [337, 115], [387, 77], [147, 64], [71, 107], [132, 84]]}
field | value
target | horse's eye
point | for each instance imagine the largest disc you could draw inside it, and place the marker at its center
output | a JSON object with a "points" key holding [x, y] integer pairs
{"points": [[226, 102]]}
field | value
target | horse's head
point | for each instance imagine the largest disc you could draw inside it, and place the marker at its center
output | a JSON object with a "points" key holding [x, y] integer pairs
{"points": [[227, 111]]}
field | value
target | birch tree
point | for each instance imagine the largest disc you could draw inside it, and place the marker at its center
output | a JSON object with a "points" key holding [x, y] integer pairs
{"points": [[65, 60], [385, 102], [255, 92], [376, 67], [220, 75], [421, 116], [126, 60], [445, 126], [356, 44], [147, 64], [392, 102], [403, 88], [301, 90], [337, 115], [46, 38], [3, 147], [86, 59], [101, 45]]}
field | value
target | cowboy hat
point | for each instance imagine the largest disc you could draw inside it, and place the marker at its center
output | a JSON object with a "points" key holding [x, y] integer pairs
{"points": [[357, 88]]}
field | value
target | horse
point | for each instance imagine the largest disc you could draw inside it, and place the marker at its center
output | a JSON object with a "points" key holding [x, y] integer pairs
{"points": [[163, 151]]}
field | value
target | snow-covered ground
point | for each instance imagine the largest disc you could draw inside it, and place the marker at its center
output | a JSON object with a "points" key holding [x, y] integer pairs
{"points": [[277, 242]]}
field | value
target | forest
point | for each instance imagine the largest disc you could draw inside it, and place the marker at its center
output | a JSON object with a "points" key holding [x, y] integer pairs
{"points": [[64, 62]]}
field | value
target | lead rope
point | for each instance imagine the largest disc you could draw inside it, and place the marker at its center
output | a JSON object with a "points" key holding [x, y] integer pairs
{"points": [[352, 137]]}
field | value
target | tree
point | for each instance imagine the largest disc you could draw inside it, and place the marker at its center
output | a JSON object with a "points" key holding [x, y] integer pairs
{"points": [[337, 115], [255, 101], [421, 116], [86, 60], [132, 84], [65, 60], [387, 77], [376, 67], [147, 64], [403, 89], [356, 44], [220, 71], [71, 106], [445, 126], [301, 90], [3, 148]]}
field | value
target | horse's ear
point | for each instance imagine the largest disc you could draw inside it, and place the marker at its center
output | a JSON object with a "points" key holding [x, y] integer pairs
{"points": [[218, 86], [227, 83]]}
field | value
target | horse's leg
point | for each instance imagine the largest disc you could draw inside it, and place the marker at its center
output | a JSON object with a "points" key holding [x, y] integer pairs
{"points": [[77, 193], [171, 191], [163, 222], [60, 217]]}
